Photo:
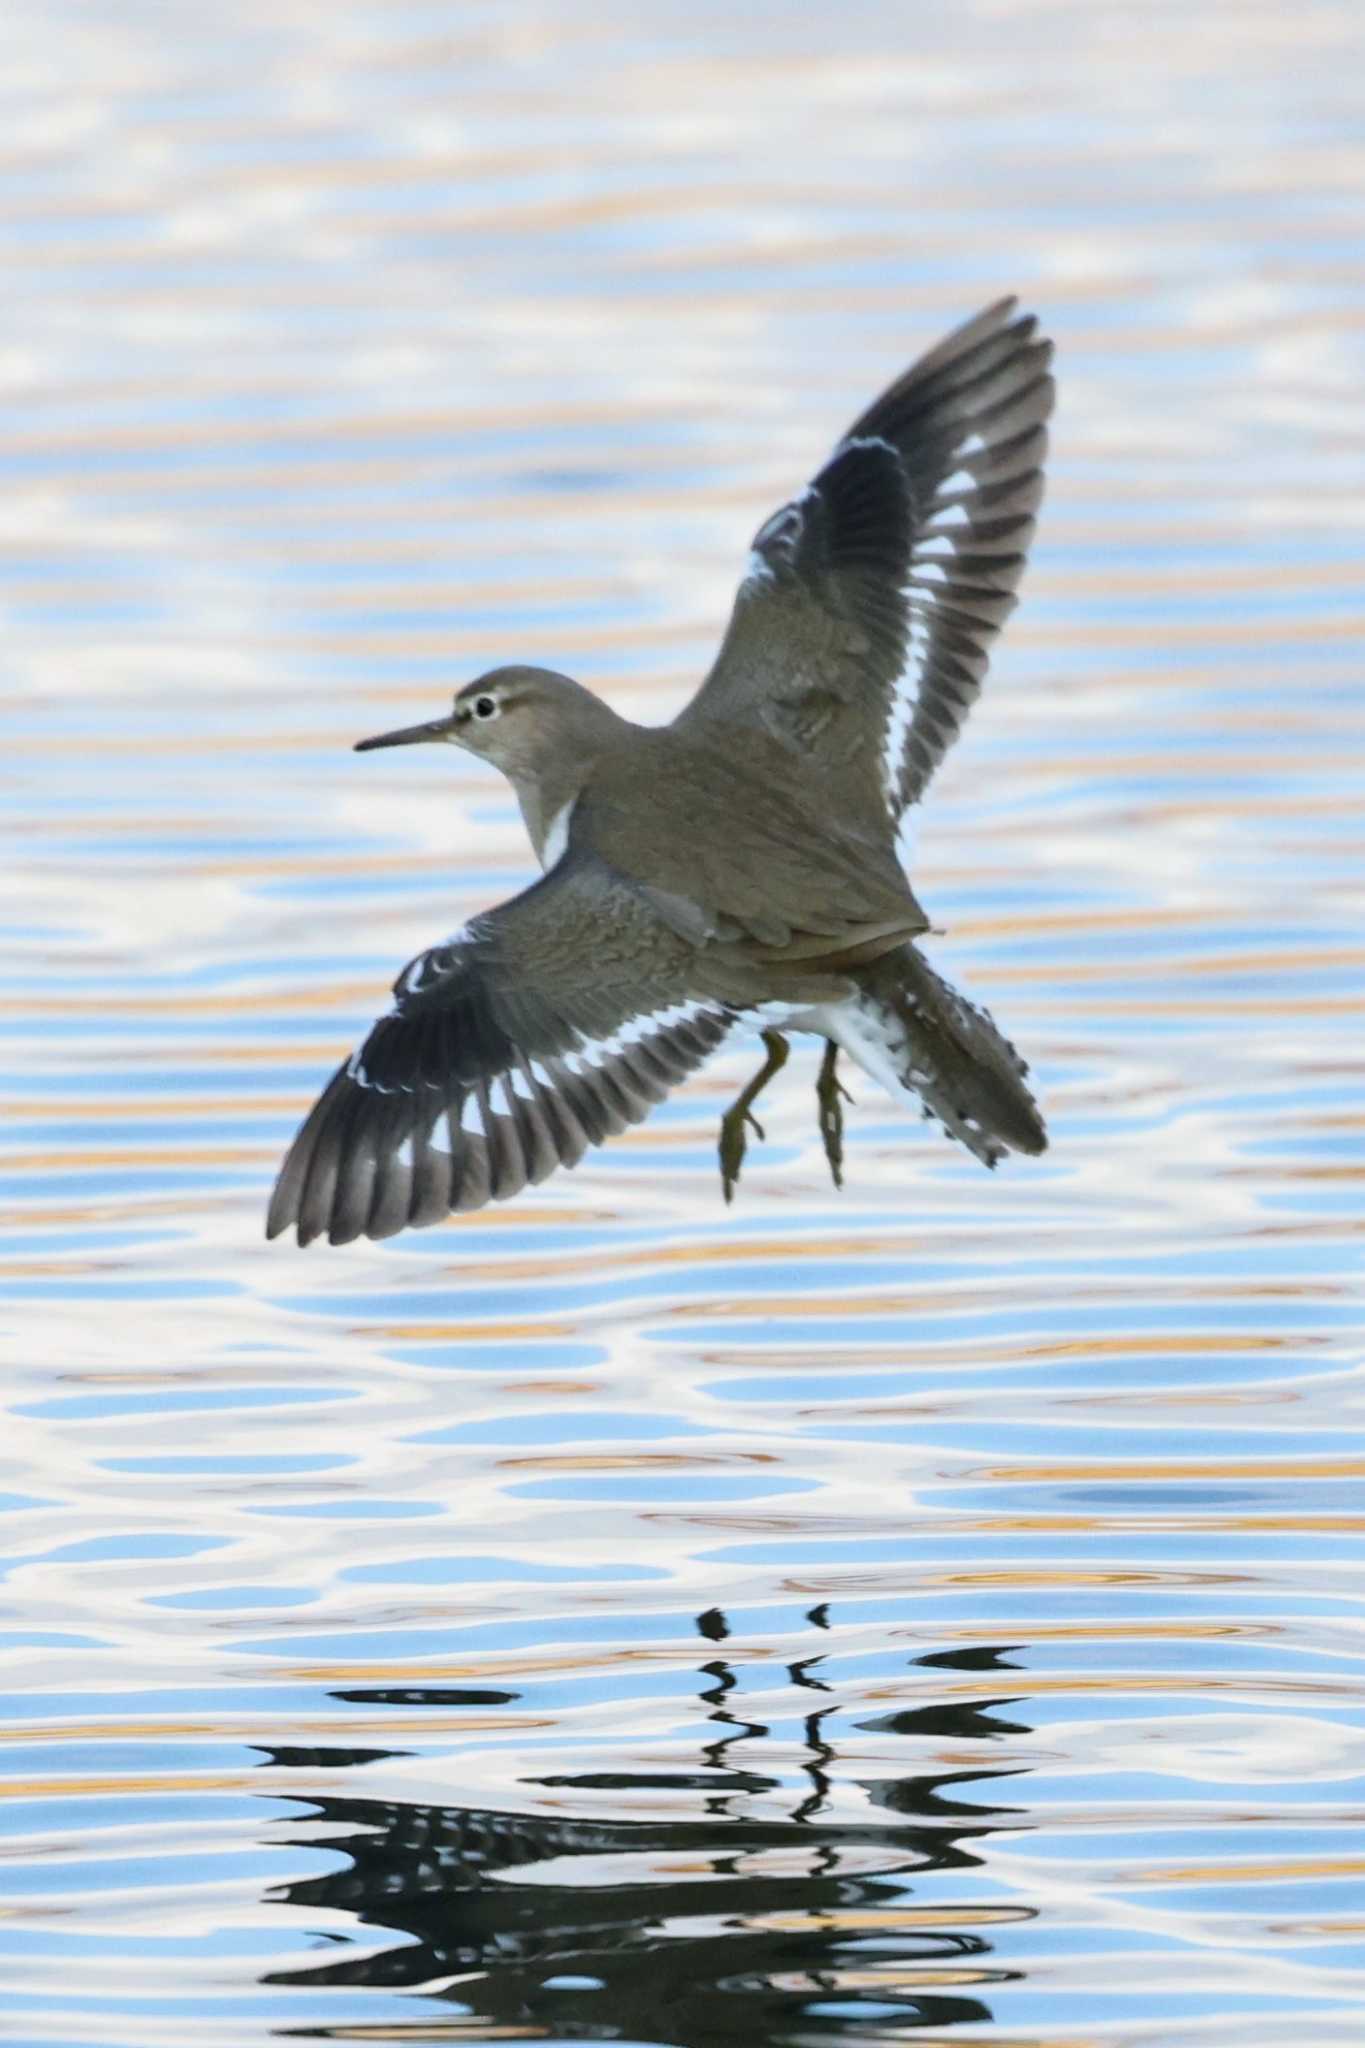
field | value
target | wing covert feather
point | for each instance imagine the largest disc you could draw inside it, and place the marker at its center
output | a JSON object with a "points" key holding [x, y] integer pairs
{"points": [[861, 633]]}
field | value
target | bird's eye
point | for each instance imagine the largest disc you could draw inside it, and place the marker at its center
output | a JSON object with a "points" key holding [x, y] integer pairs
{"points": [[485, 707]]}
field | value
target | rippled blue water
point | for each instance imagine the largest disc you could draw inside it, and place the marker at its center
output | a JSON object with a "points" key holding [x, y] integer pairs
{"points": [[930, 1611]]}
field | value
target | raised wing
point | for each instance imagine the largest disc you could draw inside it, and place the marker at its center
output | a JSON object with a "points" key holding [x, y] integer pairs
{"points": [[861, 633], [543, 1027]]}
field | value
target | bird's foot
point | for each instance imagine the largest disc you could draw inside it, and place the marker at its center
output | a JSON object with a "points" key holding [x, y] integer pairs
{"points": [[734, 1143], [734, 1140], [831, 1095]]}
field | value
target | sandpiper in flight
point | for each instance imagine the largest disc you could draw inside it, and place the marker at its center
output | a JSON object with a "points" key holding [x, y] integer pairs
{"points": [[738, 865]]}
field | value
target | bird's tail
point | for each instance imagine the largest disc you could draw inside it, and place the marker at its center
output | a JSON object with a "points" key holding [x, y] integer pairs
{"points": [[964, 1070]]}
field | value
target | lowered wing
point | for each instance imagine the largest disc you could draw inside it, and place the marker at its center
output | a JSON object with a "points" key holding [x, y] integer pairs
{"points": [[542, 1028]]}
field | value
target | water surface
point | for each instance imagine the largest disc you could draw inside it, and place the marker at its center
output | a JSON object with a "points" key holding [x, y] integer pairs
{"points": [[929, 1611]]}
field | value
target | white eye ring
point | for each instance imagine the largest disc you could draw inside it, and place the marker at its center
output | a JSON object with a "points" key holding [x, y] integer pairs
{"points": [[485, 707]]}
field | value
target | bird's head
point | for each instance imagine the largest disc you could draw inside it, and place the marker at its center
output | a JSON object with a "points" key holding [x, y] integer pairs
{"points": [[543, 730], [520, 719]]}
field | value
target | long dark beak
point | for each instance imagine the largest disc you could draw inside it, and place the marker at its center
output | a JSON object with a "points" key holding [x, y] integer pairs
{"points": [[409, 736]]}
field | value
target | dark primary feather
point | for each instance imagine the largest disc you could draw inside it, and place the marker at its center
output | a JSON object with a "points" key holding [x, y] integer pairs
{"points": [[861, 635], [508, 1052]]}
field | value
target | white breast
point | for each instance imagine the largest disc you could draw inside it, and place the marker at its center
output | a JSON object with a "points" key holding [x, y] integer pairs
{"points": [[556, 835]]}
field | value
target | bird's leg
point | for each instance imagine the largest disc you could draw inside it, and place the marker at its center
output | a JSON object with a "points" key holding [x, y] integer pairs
{"points": [[828, 1090], [733, 1142]]}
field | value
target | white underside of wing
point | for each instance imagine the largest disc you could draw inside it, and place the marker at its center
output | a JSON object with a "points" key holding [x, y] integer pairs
{"points": [[930, 570], [905, 695], [640, 1028], [589, 1055]]}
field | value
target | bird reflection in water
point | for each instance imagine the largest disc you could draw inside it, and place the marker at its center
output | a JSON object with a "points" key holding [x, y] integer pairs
{"points": [[698, 1931]]}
